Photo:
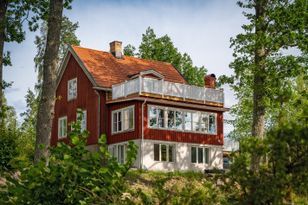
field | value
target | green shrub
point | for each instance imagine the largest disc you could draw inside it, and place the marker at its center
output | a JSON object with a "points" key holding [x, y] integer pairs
{"points": [[8, 149], [71, 175]]}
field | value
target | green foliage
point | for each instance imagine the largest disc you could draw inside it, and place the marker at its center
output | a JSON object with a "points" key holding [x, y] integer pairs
{"points": [[174, 188], [129, 50], [162, 49], [67, 37], [26, 139], [71, 175], [283, 175], [8, 137], [8, 149]]}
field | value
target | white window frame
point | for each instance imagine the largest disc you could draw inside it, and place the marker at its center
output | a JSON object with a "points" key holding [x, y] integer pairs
{"points": [[204, 161], [60, 119], [167, 152], [122, 120], [69, 97], [84, 113], [183, 111]]}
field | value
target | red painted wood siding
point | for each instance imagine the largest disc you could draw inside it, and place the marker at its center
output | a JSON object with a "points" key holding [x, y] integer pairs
{"points": [[129, 135], [188, 137], [87, 99]]}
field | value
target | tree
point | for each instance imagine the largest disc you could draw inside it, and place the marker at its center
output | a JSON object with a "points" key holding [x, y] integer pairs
{"points": [[12, 15], [129, 50], [162, 49], [67, 37], [262, 65], [50, 62], [26, 139]]}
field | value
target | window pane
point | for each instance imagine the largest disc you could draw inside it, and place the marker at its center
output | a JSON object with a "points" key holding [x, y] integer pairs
{"points": [[131, 118], [204, 123], [171, 118], [152, 116], [161, 118], [212, 124], [193, 154], [196, 125], [206, 155], [187, 119], [84, 121], [119, 121], [163, 149], [121, 154], [171, 153], [179, 120], [115, 122], [156, 152], [200, 155], [125, 119]]}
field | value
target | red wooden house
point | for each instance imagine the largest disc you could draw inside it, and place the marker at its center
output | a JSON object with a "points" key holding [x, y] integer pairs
{"points": [[175, 125]]}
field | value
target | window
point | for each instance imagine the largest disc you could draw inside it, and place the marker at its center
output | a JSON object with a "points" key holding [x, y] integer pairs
{"points": [[193, 155], [164, 152], [196, 120], [171, 119], [153, 117], [181, 119], [212, 123], [62, 127], [72, 89], [187, 120], [123, 119], [83, 117], [119, 152], [161, 118], [200, 155]]}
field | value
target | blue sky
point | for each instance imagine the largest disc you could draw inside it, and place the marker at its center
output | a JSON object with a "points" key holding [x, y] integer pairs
{"points": [[200, 28]]}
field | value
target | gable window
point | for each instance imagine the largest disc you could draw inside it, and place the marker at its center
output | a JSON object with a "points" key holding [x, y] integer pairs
{"points": [[83, 117], [123, 119], [62, 127], [72, 89], [200, 155], [181, 119], [164, 152]]}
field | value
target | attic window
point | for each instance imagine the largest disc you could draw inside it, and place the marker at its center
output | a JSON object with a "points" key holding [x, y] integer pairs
{"points": [[72, 89]]}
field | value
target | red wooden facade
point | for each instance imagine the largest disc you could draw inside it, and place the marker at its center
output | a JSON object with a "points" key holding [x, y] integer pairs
{"points": [[87, 99], [99, 113]]}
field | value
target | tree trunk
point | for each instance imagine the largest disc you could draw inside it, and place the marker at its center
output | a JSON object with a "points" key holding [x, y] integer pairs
{"points": [[46, 104], [3, 9], [259, 79]]}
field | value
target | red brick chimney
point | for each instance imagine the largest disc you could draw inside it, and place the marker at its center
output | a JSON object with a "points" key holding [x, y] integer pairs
{"points": [[210, 81], [116, 49]]}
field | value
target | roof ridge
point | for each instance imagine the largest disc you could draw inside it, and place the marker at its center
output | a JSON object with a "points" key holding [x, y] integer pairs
{"points": [[134, 57]]}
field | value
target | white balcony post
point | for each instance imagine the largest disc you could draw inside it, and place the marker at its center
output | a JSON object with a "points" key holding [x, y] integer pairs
{"points": [[162, 87], [140, 84], [204, 95], [184, 92]]}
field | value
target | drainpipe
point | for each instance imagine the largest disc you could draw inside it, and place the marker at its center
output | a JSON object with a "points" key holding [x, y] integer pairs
{"points": [[142, 134]]}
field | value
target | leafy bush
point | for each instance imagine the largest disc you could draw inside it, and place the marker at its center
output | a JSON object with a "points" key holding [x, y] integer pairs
{"points": [[71, 175], [7, 149]]}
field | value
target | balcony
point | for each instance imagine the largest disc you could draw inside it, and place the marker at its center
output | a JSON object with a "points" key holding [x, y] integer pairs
{"points": [[164, 89]]}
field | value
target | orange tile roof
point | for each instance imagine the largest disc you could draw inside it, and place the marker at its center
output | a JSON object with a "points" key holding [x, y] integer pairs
{"points": [[107, 70]]}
